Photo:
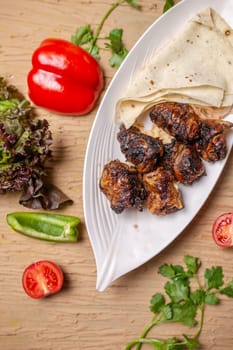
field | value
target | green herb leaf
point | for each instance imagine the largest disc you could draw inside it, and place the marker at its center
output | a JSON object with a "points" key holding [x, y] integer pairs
{"points": [[94, 51], [167, 271], [133, 3], [213, 278], [211, 299], [82, 36], [228, 290], [174, 344], [117, 58], [177, 291], [156, 303], [179, 273], [192, 264], [115, 38], [192, 343], [167, 312], [119, 52], [197, 296], [173, 272], [184, 313], [168, 5]]}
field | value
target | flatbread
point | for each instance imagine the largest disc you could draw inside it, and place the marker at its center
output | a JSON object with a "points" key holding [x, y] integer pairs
{"points": [[195, 67]]}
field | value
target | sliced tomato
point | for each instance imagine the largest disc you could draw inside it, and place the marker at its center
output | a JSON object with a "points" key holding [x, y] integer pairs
{"points": [[222, 230], [42, 278]]}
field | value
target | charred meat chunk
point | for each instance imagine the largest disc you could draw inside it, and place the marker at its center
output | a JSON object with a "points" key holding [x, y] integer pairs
{"points": [[212, 127], [122, 185], [184, 161], [140, 149], [177, 119], [213, 149], [163, 195], [180, 121], [153, 170], [212, 143]]}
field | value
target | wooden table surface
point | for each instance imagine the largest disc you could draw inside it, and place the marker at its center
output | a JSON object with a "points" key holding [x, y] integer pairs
{"points": [[79, 317]]}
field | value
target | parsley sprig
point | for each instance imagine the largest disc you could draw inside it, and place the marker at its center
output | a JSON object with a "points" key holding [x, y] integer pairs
{"points": [[168, 5], [182, 303], [89, 39]]}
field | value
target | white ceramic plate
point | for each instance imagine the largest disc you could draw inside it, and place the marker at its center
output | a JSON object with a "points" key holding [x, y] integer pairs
{"points": [[123, 242]]}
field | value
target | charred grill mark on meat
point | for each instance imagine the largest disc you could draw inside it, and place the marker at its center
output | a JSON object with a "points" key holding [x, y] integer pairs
{"points": [[177, 119], [181, 122], [163, 197], [140, 149], [150, 181], [212, 142], [122, 186], [212, 127], [213, 149], [187, 165], [183, 160]]}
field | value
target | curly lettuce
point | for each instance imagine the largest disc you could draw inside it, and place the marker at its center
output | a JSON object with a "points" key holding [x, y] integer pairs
{"points": [[25, 147]]}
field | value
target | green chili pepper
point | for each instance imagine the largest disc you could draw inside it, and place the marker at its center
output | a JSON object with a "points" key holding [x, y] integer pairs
{"points": [[50, 227]]}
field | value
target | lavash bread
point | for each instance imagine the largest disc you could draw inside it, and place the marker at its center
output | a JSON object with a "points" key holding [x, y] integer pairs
{"points": [[195, 67]]}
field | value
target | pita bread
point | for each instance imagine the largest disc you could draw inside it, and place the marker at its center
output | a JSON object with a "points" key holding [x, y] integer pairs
{"points": [[195, 67]]}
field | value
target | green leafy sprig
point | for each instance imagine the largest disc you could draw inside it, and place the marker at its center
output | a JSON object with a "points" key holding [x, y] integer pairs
{"points": [[182, 303], [87, 38], [168, 5]]}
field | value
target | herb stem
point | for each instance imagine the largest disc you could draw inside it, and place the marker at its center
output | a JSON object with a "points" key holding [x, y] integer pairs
{"points": [[103, 20], [141, 341], [202, 309], [185, 305], [154, 322]]}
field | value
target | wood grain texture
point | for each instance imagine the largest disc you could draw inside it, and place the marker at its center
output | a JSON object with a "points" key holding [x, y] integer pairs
{"points": [[80, 317]]}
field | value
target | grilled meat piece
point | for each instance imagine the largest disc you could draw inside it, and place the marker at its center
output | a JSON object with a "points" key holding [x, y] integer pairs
{"points": [[177, 119], [122, 186], [184, 161], [163, 196], [212, 143], [140, 149], [181, 122], [213, 149], [212, 127], [156, 168]]}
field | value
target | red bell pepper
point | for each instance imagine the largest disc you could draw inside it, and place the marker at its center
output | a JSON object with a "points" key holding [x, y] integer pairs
{"points": [[64, 78]]}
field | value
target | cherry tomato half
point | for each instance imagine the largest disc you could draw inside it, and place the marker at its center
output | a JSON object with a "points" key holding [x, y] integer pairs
{"points": [[42, 278], [222, 230]]}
